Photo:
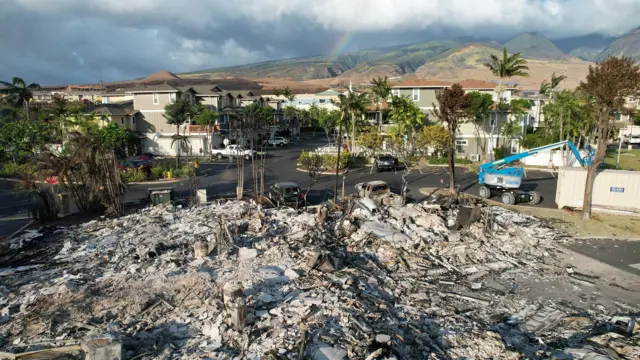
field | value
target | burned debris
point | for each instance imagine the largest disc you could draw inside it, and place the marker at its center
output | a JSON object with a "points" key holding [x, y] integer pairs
{"points": [[232, 280]]}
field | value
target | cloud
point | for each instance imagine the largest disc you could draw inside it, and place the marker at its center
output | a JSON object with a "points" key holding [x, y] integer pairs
{"points": [[80, 41]]}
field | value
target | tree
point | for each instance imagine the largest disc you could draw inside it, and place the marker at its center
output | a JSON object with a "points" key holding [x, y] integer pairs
{"points": [[609, 83], [549, 87], [328, 120], [343, 104], [371, 140], [506, 67], [178, 113], [480, 110], [454, 108], [290, 111], [407, 117], [313, 164], [381, 92], [207, 117], [356, 104], [435, 137], [19, 93]]}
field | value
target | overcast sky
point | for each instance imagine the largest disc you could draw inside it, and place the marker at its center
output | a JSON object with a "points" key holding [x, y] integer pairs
{"points": [[63, 41]]}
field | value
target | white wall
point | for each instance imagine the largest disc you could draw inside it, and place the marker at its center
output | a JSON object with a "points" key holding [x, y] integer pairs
{"points": [[612, 190], [629, 130]]}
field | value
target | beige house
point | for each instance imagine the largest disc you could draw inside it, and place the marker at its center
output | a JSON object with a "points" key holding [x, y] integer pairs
{"points": [[122, 114], [150, 121], [117, 96], [471, 138]]}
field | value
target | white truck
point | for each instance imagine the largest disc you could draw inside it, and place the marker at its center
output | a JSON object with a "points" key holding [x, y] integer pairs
{"points": [[233, 151]]}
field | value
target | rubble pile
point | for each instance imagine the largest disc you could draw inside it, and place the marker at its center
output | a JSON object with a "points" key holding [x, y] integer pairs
{"points": [[230, 280]]}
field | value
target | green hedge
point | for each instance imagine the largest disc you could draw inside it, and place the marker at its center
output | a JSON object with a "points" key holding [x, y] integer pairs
{"points": [[12, 170], [328, 160]]}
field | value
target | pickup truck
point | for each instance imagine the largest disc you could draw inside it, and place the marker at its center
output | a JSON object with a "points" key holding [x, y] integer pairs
{"points": [[233, 151], [379, 192]]}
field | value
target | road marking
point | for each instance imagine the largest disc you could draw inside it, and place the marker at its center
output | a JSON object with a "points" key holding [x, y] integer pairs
{"points": [[635, 266]]}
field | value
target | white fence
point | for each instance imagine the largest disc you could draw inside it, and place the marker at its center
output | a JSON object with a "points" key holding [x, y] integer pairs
{"points": [[612, 190]]}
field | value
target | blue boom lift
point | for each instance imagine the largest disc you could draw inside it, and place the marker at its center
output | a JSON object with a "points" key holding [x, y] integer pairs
{"points": [[496, 177]]}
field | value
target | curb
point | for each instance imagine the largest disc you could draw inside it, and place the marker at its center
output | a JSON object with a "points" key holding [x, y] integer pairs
{"points": [[130, 183], [322, 173]]}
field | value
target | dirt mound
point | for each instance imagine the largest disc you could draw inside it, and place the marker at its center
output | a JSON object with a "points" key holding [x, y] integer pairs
{"points": [[163, 75]]}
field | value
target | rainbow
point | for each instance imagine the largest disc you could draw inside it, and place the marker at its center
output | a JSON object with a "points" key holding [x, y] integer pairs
{"points": [[340, 45]]}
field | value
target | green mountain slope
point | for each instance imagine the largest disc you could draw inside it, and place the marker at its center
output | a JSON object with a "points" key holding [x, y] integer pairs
{"points": [[627, 45], [404, 59], [534, 45]]}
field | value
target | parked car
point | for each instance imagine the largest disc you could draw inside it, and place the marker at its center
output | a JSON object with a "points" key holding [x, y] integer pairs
{"points": [[327, 149], [379, 192], [233, 150], [632, 139], [287, 193], [385, 162], [277, 141]]}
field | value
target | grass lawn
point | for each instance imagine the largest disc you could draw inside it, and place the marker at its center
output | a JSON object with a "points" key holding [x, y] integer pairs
{"points": [[629, 159]]}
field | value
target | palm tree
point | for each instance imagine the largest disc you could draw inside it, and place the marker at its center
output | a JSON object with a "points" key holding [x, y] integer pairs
{"points": [[357, 105], [178, 113], [548, 87], [507, 67], [19, 93], [342, 103], [381, 91]]}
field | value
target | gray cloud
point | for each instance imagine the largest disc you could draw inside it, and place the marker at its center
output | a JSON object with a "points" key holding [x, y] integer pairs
{"points": [[81, 41]]}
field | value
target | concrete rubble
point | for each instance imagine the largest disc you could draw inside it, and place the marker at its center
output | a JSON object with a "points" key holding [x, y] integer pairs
{"points": [[232, 281]]}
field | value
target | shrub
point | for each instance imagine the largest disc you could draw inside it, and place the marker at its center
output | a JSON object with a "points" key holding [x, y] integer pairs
{"points": [[184, 171], [328, 160], [15, 170], [159, 172], [132, 175]]}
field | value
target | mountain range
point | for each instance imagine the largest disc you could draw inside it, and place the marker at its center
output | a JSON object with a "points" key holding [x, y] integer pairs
{"points": [[450, 59]]}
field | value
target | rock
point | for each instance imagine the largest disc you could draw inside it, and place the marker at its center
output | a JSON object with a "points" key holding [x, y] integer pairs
{"points": [[245, 254], [329, 353], [476, 285]]}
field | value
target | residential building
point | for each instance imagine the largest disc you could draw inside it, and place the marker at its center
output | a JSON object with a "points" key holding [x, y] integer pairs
{"points": [[84, 93], [472, 138], [150, 102], [122, 114], [117, 96], [535, 116]]}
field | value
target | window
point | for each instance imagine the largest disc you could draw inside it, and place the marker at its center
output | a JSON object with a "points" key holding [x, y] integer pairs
{"points": [[618, 116], [395, 92], [415, 95], [172, 97], [322, 101], [122, 120], [133, 120], [156, 100], [492, 119]]}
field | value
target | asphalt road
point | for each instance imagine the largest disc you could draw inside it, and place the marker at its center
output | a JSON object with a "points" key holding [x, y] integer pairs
{"points": [[221, 178], [14, 208], [622, 254]]}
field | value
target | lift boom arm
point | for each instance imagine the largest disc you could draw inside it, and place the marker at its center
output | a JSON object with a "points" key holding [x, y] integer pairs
{"points": [[512, 158]]}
